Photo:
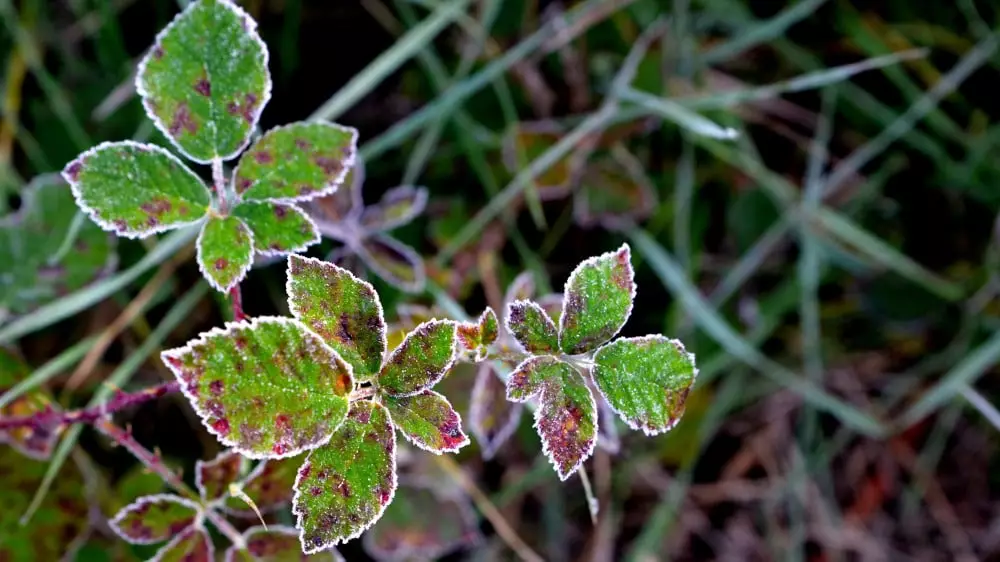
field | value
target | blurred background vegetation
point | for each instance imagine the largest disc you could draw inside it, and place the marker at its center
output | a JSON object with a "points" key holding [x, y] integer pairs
{"points": [[811, 190]]}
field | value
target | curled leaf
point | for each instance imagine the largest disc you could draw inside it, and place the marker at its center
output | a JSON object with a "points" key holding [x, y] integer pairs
{"points": [[597, 301], [396, 263], [269, 388], [343, 488], [156, 518], [225, 252], [428, 421], [397, 207], [278, 228], [212, 478], [532, 327], [645, 380], [277, 543], [422, 525], [492, 418], [427, 353], [205, 82]]}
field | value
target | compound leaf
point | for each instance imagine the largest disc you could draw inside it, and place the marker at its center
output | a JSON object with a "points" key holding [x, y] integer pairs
{"points": [[156, 518], [407, 531], [212, 478], [425, 355], [269, 388], [645, 380], [428, 421], [597, 301], [205, 82], [278, 228], [492, 418], [192, 545], [532, 327], [396, 263], [225, 252], [397, 207], [343, 487], [296, 162], [277, 543], [269, 486], [344, 310], [38, 440], [566, 417], [136, 190]]}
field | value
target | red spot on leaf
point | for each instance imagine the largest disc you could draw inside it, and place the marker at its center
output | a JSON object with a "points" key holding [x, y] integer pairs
{"points": [[302, 144], [221, 425], [120, 225], [158, 51], [183, 121], [316, 490], [263, 157], [203, 87], [216, 387], [282, 421], [279, 449], [280, 212], [384, 495], [243, 184], [221, 264], [331, 166], [73, 170]]}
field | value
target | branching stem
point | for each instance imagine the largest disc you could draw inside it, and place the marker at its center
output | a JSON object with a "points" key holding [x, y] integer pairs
{"points": [[50, 420]]}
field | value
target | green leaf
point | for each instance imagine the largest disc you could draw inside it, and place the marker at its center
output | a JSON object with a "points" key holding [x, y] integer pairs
{"points": [[193, 545], [396, 263], [476, 337], [344, 310], [212, 478], [269, 486], [344, 486], [60, 520], [269, 388], [597, 301], [492, 418], [531, 327], [225, 252], [422, 525], [37, 441], [614, 192], [34, 268], [156, 518], [566, 417], [276, 543], [136, 190], [428, 421], [205, 82], [296, 162], [278, 229], [397, 207], [645, 380], [427, 353]]}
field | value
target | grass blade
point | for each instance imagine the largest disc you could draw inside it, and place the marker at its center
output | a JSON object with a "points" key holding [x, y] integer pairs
{"points": [[55, 367], [680, 115]]}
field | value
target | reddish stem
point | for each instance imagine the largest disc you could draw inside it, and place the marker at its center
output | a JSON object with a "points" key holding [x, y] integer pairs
{"points": [[237, 297], [50, 419], [151, 460]]}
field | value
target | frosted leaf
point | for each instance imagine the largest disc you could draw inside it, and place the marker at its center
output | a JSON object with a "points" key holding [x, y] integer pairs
{"points": [[474, 338], [269, 487], [428, 421], [156, 518], [192, 545], [225, 252], [532, 327], [278, 228], [277, 543], [425, 355], [212, 478], [597, 301]]}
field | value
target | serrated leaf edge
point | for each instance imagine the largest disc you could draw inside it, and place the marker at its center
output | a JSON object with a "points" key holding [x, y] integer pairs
{"points": [[651, 337], [74, 186], [297, 249], [545, 447], [330, 187], [197, 528], [419, 280], [489, 448], [419, 204], [381, 509], [243, 270], [424, 446], [545, 315], [199, 464], [624, 248], [251, 31], [524, 365], [437, 378], [227, 331], [230, 555], [115, 522]]}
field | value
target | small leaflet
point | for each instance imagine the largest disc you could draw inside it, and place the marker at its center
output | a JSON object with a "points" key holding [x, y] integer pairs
{"points": [[344, 310], [268, 388], [278, 228], [532, 327], [296, 162], [212, 478], [396, 263], [192, 545], [422, 524], [277, 543], [205, 81], [428, 421], [343, 487], [597, 301], [475, 338], [136, 190], [156, 518], [427, 353], [492, 418], [646, 380], [225, 252], [399, 206], [269, 487], [566, 417]]}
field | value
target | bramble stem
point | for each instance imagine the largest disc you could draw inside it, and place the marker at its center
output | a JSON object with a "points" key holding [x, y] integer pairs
{"points": [[236, 295], [149, 459], [362, 393], [219, 182], [49, 419]]}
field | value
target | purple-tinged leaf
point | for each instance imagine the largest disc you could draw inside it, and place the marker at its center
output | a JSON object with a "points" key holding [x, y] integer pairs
{"points": [[193, 545], [269, 487], [492, 418], [396, 263], [344, 310], [296, 162], [474, 338], [343, 205], [614, 193], [427, 353], [277, 543], [136, 190], [153, 519], [278, 228], [422, 525], [343, 488], [36, 441], [566, 416], [645, 380], [269, 388], [212, 478], [531, 327], [428, 421], [522, 288], [225, 252], [205, 82], [397, 207], [597, 301]]}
